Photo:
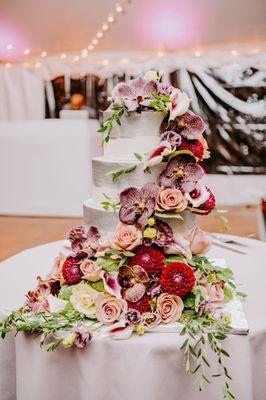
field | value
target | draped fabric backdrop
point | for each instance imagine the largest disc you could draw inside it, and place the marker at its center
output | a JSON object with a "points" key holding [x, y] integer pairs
{"points": [[230, 99]]}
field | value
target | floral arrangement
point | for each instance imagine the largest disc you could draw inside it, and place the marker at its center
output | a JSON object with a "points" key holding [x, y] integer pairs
{"points": [[142, 275]]}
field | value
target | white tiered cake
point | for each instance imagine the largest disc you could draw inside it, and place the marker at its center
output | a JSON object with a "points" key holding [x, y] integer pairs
{"points": [[138, 133]]}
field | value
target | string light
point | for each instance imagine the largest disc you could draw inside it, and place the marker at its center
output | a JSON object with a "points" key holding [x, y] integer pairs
{"points": [[105, 62], [8, 65], [90, 47], [84, 53], [26, 52], [99, 35], [160, 53], [94, 42], [63, 56], [118, 8], [9, 46], [111, 18], [76, 58], [37, 65], [105, 27], [197, 53], [234, 53], [43, 54]]}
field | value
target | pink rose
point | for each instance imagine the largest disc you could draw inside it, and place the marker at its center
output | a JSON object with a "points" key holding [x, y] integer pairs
{"points": [[169, 307], [215, 292], [171, 200], [126, 237], [109, 309], [200, 242], [91, 271]]}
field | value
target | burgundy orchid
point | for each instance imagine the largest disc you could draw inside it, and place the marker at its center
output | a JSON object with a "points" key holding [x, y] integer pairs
{"points": [[36, 299], [82, 337], [189, 125], [163, 236], [137, 205], [134, 93], [133, 280], [133, 317], [83, 240], [181, 172]]}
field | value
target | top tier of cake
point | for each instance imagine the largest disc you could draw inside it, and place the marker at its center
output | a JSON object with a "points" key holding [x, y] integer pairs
{"points": [[138, 133]]}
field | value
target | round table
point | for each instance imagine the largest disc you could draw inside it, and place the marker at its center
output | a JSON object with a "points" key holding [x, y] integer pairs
{"points": [[148, 367]]}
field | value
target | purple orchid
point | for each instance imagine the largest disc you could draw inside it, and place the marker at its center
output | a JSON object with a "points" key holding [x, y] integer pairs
{"points": [[36, 299], [153, 287], [172, 137], [137, 205], [163, 236], [181, 172], [133, 280], [133, 317], [82, 337], [189, 125], [134, 93], [83, 240]]}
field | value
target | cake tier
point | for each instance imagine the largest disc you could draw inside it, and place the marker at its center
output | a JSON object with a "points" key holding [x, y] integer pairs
{"points": [[107, 221], [102, 179], [138, 133]]}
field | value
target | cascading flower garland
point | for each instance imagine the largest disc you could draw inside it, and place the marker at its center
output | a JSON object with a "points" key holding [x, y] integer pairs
{"points": [[142, 274]]}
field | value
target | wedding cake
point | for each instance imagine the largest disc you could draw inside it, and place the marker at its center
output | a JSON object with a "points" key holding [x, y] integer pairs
{"points": [[138, 264]]}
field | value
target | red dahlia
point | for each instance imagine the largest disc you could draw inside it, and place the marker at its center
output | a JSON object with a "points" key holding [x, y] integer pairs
{"points": [[71, 271], [195, 146], [208, 206], [142, 305], [178, 279], [150, 259]]}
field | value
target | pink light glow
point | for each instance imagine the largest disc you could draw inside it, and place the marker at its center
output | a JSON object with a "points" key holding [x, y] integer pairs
{"points": [[170, 24], [11, 35]]}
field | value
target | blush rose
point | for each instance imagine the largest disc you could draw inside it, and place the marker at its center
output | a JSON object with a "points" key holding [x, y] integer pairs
{"points": [[109, 309], [169, 307], [91, 271], [171, 200], [126, 237]]}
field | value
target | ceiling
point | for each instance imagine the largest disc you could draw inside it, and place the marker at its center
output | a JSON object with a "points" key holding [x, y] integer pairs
{"points": [[58, 26]]}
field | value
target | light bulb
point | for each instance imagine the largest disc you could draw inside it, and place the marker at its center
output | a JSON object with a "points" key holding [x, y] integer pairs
{"points": [[105, 62], [160, 53], [76, 58], [99, 35], [105, 27], [63, 56], [111, 18], [118, 8], [8, 65], [26, 51], [43, 53], [234, 53], [90, 47], [94, 41], [197, 53]]}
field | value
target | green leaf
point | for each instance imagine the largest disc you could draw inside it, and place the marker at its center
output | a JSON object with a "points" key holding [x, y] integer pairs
{"points": [[65, 292], [138, 156], [170, 259], [166, 215], [189, 301], [108, 264], [180, 152], [99, 286]]}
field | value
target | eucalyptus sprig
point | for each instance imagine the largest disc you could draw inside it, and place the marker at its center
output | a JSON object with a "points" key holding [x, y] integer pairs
{"points": [[107, 126], [110, 204], [201, 333], [119, 172], [159, 102], [224, 225]]}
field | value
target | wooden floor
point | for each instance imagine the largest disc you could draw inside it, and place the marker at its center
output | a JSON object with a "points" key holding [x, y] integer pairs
{"points": [[19, 233]]}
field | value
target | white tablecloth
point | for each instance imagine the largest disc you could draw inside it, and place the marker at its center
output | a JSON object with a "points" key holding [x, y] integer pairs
{"points": [[147, 367]]}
